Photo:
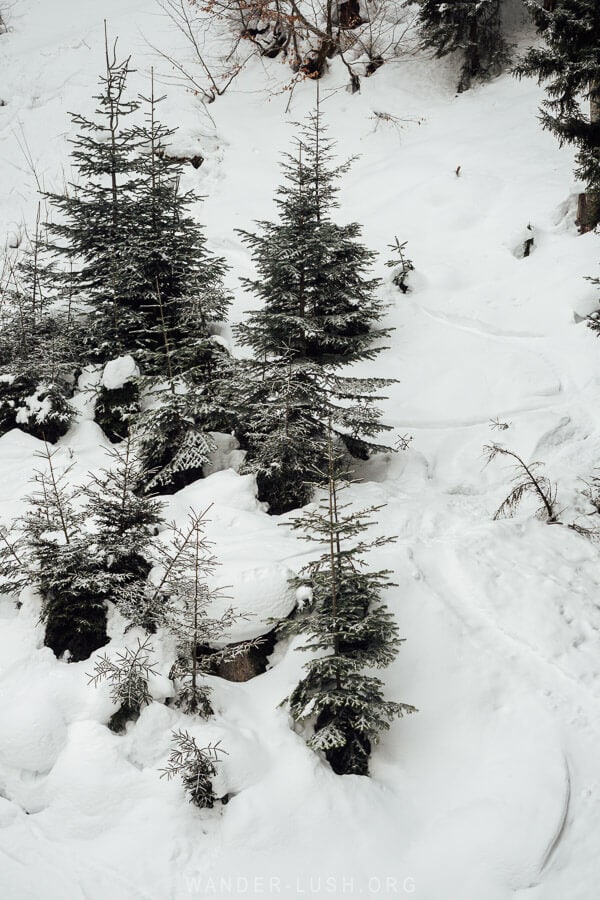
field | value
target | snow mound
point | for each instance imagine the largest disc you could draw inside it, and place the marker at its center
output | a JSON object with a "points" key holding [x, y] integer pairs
{"points": [[118, 372]]}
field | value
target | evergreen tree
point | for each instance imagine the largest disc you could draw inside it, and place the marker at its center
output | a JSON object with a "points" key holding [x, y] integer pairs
{"points": [[127, 675], [122, 518], [318, 302], [187, 565], [177, 284], [39, 345], [50, 548], [195, 766], [349, 628], [320, 312], [471, 27], [569, 65], [97, 216], [179, 597], [138, 256]]}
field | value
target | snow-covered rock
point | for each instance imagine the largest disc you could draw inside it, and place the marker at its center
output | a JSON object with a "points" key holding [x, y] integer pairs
{"points": [[118, 372]]}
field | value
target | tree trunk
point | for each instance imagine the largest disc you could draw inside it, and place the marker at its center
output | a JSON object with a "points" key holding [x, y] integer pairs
{"points": [[588, 207]]}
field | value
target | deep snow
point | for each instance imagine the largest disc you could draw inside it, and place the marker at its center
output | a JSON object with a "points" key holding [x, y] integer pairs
{"points": [[491, 791]]}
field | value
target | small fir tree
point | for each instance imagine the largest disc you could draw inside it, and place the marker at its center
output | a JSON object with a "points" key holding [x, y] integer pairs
{"points": [[122, 518], [50, 548], [473, 29], [349, 628], [195, 766], [186, 566], [127, 675], [569, 65], [179, 598], [402, 266]]}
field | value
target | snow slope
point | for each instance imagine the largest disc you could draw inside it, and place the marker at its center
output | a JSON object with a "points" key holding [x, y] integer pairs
{"points": [[491, 791]]}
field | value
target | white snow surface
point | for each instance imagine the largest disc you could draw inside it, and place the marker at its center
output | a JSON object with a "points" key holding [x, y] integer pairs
{"points": [[491, 791], [118, 372]]}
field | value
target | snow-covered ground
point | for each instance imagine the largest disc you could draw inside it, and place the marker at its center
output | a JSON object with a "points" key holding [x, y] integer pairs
{"points": [[491, 791]]}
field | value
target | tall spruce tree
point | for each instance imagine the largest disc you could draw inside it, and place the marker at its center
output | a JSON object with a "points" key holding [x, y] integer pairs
{"points": [[318, 301], [137, 254], [470, 27], [140, 259], [320, 312], [97, 215], [569, 65], [348, 627], [177, 284]]}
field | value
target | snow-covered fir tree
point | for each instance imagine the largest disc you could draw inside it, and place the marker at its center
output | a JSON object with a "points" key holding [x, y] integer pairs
{"points": [[569, 65], [39, 348], [135, 252], [122, 518], [95, 218], [50, 548], [313, 274], [176, 284], [127, 674], [180, 598], [320, 312], [471, 27], [348, 628], [187, 566], [195, 766]]}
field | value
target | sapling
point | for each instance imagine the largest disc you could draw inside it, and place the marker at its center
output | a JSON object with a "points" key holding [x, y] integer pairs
{"points": [[195, 766], [526, 480], [402, 265], [127, 675], [349, 626], [50, 548], [180, 600]]}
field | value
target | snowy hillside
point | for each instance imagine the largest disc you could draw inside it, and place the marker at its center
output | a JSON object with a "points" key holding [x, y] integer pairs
{"points": [[490, 791]]}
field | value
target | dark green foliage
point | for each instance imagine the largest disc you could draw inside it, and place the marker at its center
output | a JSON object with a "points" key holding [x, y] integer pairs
{"points": [[172, 440], [320, 312], [471, 27], [117, 410], [176, 286], [318, 302], [350, 629], [75, 610], [97, 216], [123, 519], [283, 404], [50, 549], [569, 65], [38, 408], [195, 766], [134, 251]]}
